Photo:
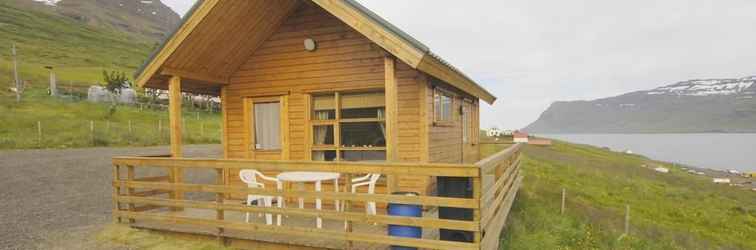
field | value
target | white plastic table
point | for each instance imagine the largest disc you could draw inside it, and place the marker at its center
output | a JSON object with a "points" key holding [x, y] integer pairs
{"points": [[317, 178]]}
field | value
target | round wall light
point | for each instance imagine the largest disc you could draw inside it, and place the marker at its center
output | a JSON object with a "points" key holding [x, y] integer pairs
{"points": [[310, 44]]}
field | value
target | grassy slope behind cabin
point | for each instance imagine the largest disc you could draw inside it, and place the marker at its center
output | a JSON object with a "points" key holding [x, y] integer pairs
{"points": [[79, 53], [668, 211]]}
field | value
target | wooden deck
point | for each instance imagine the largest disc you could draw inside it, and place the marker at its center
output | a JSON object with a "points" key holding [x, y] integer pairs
{"points": [[168, 203]]}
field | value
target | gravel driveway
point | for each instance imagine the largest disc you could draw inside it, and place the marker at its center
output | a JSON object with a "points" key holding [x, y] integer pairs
{"points": [[49, 193]]}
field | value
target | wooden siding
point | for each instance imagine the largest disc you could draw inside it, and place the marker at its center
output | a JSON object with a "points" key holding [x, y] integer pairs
{"points": [[344, 60]]}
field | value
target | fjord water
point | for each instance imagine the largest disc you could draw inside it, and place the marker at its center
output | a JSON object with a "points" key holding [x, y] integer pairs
{"points": [[714, 151]]}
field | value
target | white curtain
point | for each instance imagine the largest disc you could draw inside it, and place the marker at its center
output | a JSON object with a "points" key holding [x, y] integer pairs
{"points": [[382, 124], [320, 133], [268, 126]]}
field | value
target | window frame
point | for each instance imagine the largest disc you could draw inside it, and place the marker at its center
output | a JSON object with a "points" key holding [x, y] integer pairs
{"points": [[251, 127], [336, 123], [437, 121]]}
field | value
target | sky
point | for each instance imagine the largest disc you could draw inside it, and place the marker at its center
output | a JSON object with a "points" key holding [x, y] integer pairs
{"points": [[531, 53]]}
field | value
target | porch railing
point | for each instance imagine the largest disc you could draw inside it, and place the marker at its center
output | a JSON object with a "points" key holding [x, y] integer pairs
{"points": [[495, 183]]}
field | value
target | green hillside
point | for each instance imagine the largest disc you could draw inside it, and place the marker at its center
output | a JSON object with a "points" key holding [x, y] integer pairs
{"points": [[668, 211], [79, 52], [74, 39]]}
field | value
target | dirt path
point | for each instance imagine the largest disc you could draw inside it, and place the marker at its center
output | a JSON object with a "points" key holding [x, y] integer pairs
{"points": [[57, 193]]}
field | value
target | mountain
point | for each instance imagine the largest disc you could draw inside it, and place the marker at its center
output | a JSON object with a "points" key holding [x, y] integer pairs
{"points": [[149, 18], [710, 105], [80, 38]]}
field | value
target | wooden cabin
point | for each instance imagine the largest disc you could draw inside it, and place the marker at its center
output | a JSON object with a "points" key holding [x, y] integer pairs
{"points": [[303, 80], [308, 82]]}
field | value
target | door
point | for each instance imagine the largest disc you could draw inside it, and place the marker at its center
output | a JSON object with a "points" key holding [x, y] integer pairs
{"points": [[267, 128], [469, 130]]}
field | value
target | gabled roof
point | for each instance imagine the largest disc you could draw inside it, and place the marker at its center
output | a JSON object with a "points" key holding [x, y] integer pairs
{"points": [[253, 21]]}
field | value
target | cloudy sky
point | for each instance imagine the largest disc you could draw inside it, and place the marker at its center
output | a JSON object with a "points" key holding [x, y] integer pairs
{"points": [[530, 53]]}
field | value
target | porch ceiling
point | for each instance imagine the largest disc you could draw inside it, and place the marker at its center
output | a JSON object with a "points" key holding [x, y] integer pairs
{"points": [[222, 35]]}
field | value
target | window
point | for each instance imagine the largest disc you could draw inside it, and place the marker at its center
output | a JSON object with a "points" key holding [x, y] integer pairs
{"points": [[359, 119], [443, 103], [267, 126]]}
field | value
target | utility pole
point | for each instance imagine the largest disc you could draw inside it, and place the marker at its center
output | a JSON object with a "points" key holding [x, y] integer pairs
{"points": [[15, 73]]}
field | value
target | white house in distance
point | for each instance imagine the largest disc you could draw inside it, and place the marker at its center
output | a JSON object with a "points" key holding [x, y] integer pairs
{"points": [[520, 137], [493, 132]]}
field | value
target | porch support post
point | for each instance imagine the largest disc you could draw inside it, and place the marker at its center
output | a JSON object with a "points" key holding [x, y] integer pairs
{"points": [[174, 113], [392, 118]]}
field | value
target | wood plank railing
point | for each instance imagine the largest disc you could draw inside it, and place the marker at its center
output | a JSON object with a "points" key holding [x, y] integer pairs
{"points": [[501, 181], [495, 182]]}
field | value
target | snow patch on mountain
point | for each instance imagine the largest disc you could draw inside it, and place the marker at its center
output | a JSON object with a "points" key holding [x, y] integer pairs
{"points": [[48, 2], [706, 87]]}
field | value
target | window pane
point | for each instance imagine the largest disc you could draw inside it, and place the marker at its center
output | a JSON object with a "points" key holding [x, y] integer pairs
{"points": [[363, 155], [363, 134], [446, 102], [267, 126], [363, 105], [324, 107], [328, 155], [322, 135], [443, 106]]}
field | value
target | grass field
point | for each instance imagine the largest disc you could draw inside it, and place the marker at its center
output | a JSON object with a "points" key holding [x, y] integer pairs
{"points": [[67, 124], [668, 211]]}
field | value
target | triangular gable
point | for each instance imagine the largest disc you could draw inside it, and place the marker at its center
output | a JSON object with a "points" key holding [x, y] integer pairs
{"points": [[187, 49]]}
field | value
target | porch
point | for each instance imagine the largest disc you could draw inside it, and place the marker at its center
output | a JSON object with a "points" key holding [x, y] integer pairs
{"points": [[154, 193]]}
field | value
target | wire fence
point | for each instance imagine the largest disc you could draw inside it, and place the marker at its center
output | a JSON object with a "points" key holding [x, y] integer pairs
{"points": [[68, 133]]}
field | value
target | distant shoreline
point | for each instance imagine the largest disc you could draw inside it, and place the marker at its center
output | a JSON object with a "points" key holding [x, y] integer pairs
{"points": [[720, 151], [708, 172]]}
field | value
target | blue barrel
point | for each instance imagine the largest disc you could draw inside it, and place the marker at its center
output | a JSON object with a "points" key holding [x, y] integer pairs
{"points": [[406, 211]]}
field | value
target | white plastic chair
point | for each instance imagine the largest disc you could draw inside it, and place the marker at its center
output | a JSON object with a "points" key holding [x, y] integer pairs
{"points": [[368, 180], [249, 177]]}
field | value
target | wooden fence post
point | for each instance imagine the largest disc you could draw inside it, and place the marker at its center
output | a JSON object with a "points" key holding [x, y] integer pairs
{"points": [[627, 219], [202, 130], [107, 127], [92, 133], [160, 129], [131, 128], [39, 133], [564, 197]]}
